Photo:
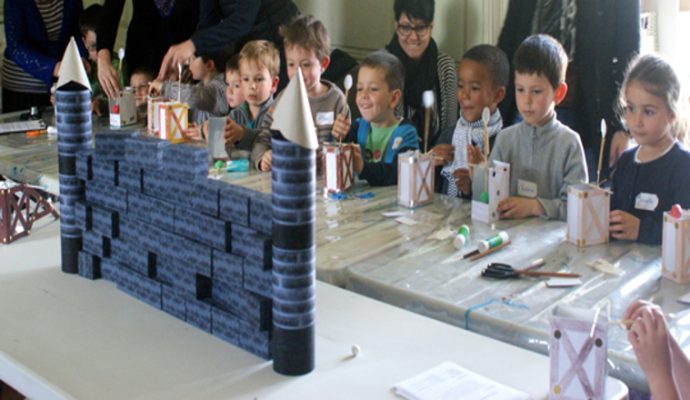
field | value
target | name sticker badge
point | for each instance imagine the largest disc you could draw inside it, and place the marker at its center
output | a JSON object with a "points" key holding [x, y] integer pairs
{"points": [[646, 201], [325, 118], [527, 188]]}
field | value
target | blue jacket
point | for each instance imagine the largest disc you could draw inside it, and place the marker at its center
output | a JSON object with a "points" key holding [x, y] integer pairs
{"points": [[27, 40], [383, 173]]}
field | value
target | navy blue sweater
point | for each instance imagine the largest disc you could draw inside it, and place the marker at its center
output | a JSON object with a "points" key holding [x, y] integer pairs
{"points": [[667, 177]]}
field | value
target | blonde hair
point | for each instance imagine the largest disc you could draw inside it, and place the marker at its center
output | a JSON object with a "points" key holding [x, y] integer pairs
{"points": [[263, 54], [308, 33], [656, 75]]}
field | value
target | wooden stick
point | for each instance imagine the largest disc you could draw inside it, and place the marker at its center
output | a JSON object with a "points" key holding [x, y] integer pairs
{"points": [[623, 323], [427, 115], [546, 273], [486, 253], [601, 150]]}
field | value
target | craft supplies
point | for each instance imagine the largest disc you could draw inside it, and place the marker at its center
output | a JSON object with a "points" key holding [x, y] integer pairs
{"points": [[675, 245], [462, 237], [415, 178], [494, 241], [588, 215], [428, 101]]}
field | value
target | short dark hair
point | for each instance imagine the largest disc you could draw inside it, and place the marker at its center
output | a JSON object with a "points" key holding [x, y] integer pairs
{"points": [[90, 18], [144, 70], [233, 63], [308, 33], [493, 59], [422, 9], [393, 70], [219, 58], [542, 54]]}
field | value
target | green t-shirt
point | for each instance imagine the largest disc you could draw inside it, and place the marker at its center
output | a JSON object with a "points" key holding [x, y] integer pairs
{"points": [[377, 142]]}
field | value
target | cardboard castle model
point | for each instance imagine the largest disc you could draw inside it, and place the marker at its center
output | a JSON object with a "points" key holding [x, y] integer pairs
{"points": [[490, 185], [588, 215], [675, 246]]}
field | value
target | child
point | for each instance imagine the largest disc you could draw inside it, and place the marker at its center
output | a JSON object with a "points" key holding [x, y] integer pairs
{"points": [[653, 176], [482, 80], [259, 63], [545, 156], [233, 91], [660, 356], [380, 134], [307, 47], [139, 81], [206, 98]]}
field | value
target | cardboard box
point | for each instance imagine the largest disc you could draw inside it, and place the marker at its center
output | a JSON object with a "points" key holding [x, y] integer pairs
{"points": [[675, 248], [415, 178], [338, 167], [588, 215]]}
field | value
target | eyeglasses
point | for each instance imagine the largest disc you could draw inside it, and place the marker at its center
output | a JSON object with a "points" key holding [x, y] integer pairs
{"points": [[407, 29]]}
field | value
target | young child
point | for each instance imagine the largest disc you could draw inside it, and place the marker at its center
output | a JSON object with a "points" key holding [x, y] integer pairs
{"points": [[233, 90], [307, 47], [139, 81], [660, 356], [259, 63], [653, 176], [381, 135], [482, 79], [545, 156], [207, 97]]}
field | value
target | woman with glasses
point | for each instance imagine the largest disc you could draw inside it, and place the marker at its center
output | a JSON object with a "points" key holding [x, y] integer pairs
{"points": [[426, 68]]}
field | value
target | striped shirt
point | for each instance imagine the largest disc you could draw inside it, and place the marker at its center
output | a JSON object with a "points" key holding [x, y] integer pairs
{"points": [[15, 77]]}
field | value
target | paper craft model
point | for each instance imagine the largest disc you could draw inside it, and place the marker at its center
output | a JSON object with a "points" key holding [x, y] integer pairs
{"points": [[338, 167], [173, 117], [675, 246], [415, 178], [577, 348], [152, 113], [294, 215], [123, 109], [73, 119], [489, 186], [588, 215]]}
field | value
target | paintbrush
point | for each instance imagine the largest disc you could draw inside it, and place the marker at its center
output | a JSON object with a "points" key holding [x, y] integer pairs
{"points": [[347, 83], [601, 150], [179, 82], [428, 101], [121, 56], [479, 255]]}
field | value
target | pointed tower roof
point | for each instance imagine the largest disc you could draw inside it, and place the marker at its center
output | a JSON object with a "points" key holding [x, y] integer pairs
{"points": [[292, 116], [72, 68]]}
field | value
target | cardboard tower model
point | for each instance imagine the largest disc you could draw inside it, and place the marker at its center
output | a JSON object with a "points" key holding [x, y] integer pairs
{"points": [[294, 248], [73, 118], [675, 245]]}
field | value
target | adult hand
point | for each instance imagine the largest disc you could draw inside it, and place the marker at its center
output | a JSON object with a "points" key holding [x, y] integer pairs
{"points": [[444, 153], [340, 127], [519, 207], [107, 75], [619, 143], [463, 180], [623, 225], [155, 88], [56, 69], [177, 54], [233, 132], [266, 161], [357, 155], [474, 155]]}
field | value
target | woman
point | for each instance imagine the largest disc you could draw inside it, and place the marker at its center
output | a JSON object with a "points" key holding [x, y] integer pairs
{"points": [[426, 68], [155, 25], [37, 33]]}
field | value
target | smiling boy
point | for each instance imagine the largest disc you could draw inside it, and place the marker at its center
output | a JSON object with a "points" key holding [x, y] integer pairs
{"points": [[545, 156]]}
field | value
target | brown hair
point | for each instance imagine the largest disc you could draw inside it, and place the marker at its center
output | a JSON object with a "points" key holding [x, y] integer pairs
{"points": [[308, 33], [262, 53]]}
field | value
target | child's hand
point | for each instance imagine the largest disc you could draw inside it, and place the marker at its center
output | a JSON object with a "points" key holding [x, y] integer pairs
{"points": [[155, 88], [519, 207], [340, 127], [357, 156], [266, 159], [623, 225], [444, 153], [463, 180], [474, 155], [192, 133], [233, 132]]}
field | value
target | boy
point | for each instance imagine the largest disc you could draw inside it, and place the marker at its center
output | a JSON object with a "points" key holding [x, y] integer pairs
{"points": [[139, 81], [307, 47], [483, 75], [233, 91], [206, 98], [259, 63], [545, 156], [380, 134]]}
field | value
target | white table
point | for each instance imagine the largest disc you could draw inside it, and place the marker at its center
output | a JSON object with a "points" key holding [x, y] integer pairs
{"points": [[62, 336]]}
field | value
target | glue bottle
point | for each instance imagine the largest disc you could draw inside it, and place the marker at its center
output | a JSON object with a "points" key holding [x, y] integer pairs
{"points": [[461, 237], [494, 241]]}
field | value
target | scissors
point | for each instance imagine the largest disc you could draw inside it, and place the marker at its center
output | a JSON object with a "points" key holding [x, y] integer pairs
{"points": [[505, 271]]}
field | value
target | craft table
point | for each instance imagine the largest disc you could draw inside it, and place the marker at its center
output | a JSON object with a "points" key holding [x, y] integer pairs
{"points": [[64, 336]]}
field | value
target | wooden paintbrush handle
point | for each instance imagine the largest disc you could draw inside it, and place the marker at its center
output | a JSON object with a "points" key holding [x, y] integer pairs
{"points": [[486, 253], [552, 274]]}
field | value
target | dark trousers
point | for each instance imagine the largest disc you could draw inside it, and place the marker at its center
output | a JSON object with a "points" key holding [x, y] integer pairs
{"points": [[18, 101]]}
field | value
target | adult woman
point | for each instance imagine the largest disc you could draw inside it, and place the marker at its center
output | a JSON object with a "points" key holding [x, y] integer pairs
{"points": [[37, 33], [426, 68], [155, 25]]}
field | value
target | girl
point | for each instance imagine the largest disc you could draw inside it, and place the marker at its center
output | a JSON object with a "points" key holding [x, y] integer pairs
{"points": [[652, 176]]}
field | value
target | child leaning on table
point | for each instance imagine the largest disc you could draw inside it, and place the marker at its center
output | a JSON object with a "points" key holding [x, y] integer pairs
{"points": [[653, 176], [482, 79], [545, 156], [660, 356], [307, 47], [380, 134]]}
